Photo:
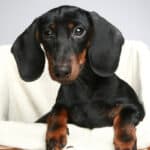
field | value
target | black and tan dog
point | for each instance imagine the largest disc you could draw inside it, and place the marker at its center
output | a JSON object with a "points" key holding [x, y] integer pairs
{"points": [[83, 51]]}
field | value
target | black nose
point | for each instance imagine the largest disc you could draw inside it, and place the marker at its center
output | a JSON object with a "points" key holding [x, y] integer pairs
{"points": [[62, 71]]}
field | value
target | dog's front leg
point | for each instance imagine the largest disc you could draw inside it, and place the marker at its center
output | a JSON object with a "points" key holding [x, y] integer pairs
{"points": [[125, 130], [56, 136]]}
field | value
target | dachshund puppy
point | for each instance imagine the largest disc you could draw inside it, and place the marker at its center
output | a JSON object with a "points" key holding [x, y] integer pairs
{"points": [[83, 51]]}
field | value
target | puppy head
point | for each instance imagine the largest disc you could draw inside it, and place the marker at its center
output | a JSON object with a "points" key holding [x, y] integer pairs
{"points": [[65, 33], [69, 36]]}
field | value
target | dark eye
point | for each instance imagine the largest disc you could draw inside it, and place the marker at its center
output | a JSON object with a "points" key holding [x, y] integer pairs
{"points": [[49, 34], [79, 31]]}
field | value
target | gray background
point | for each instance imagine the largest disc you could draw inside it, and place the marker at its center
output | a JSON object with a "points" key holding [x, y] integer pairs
{"points": [[132, 17]]}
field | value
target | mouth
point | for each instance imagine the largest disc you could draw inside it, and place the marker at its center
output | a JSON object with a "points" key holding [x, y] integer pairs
{"points": [[63, 80]]}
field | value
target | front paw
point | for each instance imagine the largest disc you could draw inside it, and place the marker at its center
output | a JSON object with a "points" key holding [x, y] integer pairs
{"points": [[124, 134], [125, 142], [56, 139], [119, 145]]}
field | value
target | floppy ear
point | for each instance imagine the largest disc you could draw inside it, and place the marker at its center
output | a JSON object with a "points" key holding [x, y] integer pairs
{"points": [[28, 53], [106, 46]]}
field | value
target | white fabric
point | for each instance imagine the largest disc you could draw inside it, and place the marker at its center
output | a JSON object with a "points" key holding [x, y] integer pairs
{"points": [[21, 103]]}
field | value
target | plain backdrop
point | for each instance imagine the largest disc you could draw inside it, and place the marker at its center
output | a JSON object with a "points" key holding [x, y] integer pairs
{"points": [[132, 17]]}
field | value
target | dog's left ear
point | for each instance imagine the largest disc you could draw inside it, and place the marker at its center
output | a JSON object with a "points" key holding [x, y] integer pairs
{"points": [[106, 46]]}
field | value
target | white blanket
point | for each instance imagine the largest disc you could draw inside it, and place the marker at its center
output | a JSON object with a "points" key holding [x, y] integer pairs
{"points": [[21, 103]]}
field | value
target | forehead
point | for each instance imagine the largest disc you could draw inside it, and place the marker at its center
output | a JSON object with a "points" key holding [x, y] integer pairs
{"points": [[65, 15]]}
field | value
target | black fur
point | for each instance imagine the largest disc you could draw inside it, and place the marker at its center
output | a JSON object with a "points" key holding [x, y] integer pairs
{"points": [[28, 54], [96, 91]]}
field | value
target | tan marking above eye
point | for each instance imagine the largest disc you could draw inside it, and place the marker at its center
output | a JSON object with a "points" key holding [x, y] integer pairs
{"points": [[53, 26], [71, 25]]}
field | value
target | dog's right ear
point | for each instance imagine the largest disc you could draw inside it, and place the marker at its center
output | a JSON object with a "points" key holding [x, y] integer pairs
{"points": [[28, 54]]}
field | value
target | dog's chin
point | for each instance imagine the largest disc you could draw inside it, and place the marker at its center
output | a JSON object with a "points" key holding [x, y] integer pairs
{"points": [[66, 80]]}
